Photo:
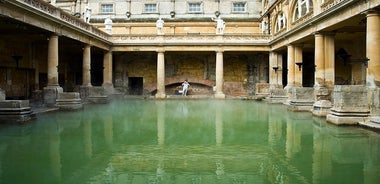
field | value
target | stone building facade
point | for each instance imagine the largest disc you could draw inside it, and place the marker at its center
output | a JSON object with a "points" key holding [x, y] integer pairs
{"points": [[310, 55]]}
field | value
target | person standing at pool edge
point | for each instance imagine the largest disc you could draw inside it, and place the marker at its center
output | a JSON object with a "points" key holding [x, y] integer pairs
{"points": [[185, 87]]}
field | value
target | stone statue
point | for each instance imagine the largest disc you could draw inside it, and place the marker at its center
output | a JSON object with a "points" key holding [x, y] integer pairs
{"points": [[263, 27], [220, 25], [87, 14], [160, 26], [108, 25]]}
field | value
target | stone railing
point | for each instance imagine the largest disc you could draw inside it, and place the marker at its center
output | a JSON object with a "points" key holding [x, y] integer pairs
{"points": [[192, 39], [329, 3], [41, 7]]}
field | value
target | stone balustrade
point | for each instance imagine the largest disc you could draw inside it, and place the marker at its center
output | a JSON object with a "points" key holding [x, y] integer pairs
{"points": [[191, 39], [45, 8]]}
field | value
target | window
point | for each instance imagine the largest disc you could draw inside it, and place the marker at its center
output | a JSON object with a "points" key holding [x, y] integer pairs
{"points": [[238, 7], [281, 22], [150, 8], [302, 8], [106, 8], [195, 7]]}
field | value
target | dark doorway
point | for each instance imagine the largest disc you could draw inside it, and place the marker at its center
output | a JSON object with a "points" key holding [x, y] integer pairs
{"points": [[135, 85]]}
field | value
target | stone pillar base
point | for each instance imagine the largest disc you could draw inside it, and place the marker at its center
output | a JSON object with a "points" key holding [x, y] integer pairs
{"points": [[276, 94], [97, 94], [219, 96], [69, 101], [350, 105], [345, 118], [301, 99], [109, 89], [15, 111], [321, 108], [51, 94], [160, 96], [84, 92], [2, 94]]}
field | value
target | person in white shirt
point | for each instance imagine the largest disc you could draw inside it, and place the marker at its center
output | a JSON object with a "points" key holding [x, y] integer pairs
{"points": [[185, 87]]}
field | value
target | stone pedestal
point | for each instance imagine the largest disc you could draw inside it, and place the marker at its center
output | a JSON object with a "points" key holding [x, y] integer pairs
{"points": [[97, 94], [109, 89], [276, 94], [321, 108], [219, 96], [301, 99], [350, 105], [374, 119], [262, 89], [322, 105], [15, 111], [69, 101], [51, 94], [2, 94]]}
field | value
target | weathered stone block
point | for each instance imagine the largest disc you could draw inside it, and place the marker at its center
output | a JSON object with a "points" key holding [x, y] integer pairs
{"points": [[2, 94], [301, 99], [321, 107], [350, 105], [69, 101], [350, 98], [277, 94], [50, 95], [97, 94], [262, 88], [15, 111]]}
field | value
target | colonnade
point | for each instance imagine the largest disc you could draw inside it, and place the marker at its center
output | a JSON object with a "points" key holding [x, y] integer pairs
{"points": [[324, 50], [53, 63], [161, 74], [53, 88]]}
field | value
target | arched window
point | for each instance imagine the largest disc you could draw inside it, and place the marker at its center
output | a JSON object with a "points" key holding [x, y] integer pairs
{"points": [[301, 8], [280, 22]]}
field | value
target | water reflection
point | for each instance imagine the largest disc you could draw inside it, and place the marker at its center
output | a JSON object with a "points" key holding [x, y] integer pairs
{"points": [[137, 141]]}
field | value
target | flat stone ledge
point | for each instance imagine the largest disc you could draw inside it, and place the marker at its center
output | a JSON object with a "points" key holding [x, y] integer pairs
{"points": [[370, 125], [15, 111], [344, 120]]}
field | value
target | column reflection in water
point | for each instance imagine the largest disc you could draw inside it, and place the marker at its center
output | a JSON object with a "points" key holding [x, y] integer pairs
{"points": [[108, 128], [371, 167], [219, 123], [87, 132], [219, 136], [274, 126], [293, 136], [322, 165], [161, 110], [54, 150]]}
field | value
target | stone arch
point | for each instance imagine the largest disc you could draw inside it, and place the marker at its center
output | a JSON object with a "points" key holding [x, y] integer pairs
{"points": [[280, 22], [172, 82], [300, 8]]}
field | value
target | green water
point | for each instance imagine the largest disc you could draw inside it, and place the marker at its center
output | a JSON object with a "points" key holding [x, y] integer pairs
{"points": [[183, 141]]}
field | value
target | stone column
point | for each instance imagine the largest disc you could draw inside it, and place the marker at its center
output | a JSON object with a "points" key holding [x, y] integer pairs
{"points": [[86, 73], [87, 65], [52, 89], [52, 61], [291, 66], [321, 94], [372, 47], [319, 78], [329, 61], [219, 75], [273, 68], [298, 72], [160, 74], [107, 72]]}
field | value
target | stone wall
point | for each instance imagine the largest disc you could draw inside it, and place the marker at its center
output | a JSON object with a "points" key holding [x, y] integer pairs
{"points": [[241, 71]]}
